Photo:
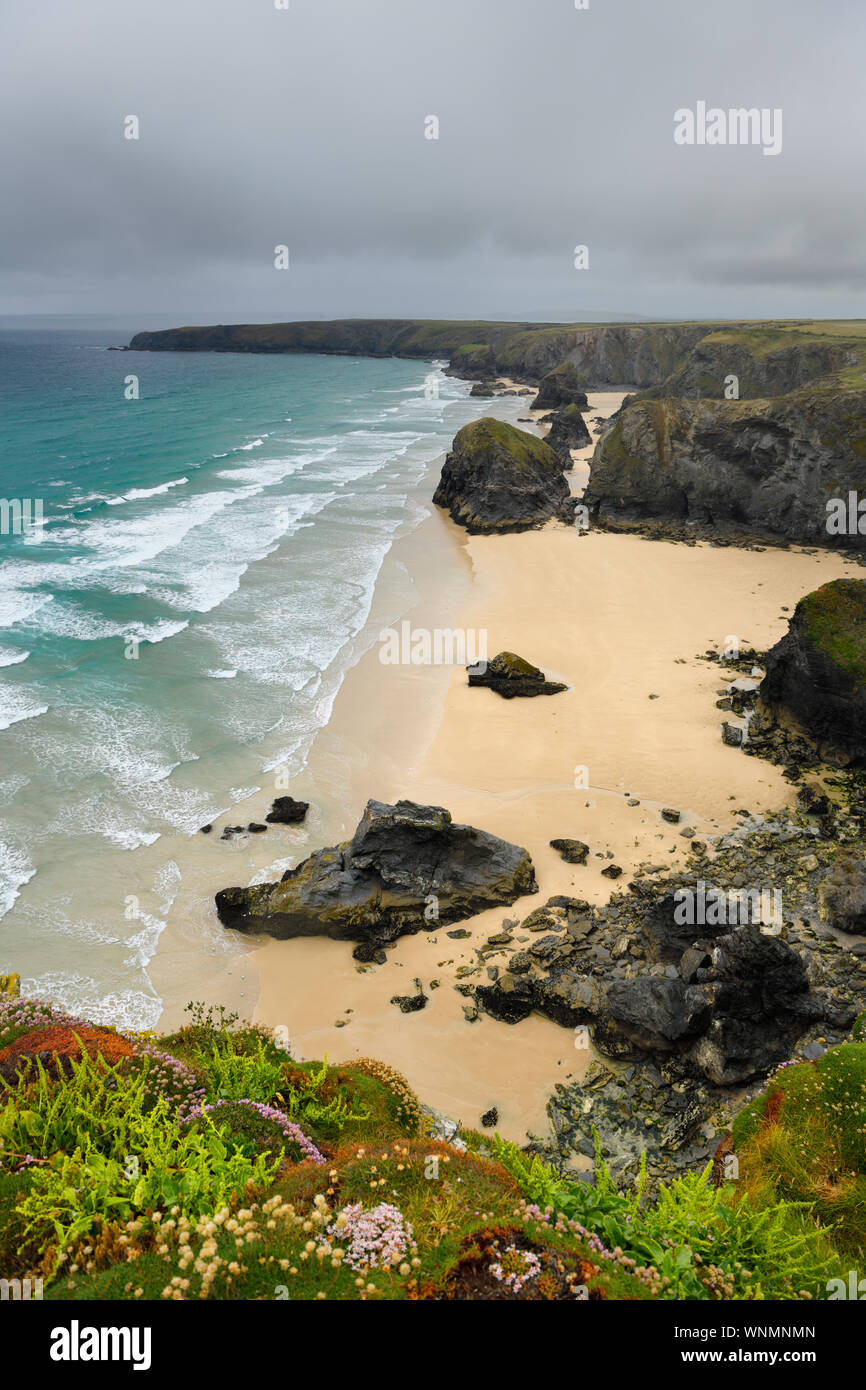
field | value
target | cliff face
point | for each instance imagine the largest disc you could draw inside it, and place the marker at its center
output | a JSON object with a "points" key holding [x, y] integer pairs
{"points": [[604, 355], [477, 343], [761, 365], [688, 360], [766, 465]]}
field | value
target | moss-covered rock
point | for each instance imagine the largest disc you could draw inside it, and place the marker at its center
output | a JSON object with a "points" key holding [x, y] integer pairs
{"points": [[561, 387], [816, 675], [498, 479], [511, 676]]}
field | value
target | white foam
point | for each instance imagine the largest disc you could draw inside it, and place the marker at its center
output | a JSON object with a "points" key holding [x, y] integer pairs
{"points": [[273, 871], [166, 882], [137, 494], [125, 1009], [18, 606], [158, 632], [11, 656], [144, 943], [67, 619], [15, 870], [203, 578], [17, 705]]}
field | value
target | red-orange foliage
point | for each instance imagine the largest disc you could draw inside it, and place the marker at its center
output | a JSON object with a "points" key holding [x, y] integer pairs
{"points": [[69, 1042]]}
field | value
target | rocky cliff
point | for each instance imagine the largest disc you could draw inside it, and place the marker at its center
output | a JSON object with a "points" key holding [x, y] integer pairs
{"points": [[604, 355], [673, 359], [767, 466], [763, 363]]}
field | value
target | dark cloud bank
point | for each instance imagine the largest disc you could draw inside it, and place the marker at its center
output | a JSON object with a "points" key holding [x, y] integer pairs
{"points": [[306, 127]]}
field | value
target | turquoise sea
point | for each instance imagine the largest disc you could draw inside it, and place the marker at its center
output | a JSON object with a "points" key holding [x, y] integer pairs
{"points": [[180, 622]]}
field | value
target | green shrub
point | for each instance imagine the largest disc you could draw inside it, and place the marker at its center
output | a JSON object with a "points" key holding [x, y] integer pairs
{"points": [[694, 1242], [195, 1171], [234, 1073], [97, 1104], [305, 1102], [248, 1130]]}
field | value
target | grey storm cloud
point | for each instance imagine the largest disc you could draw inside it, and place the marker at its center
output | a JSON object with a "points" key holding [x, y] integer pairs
{"points": [[305, 126]]}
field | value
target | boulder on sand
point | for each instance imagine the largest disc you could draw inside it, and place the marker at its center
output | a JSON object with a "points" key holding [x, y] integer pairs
{"points": [[408, 868], [510, 676], [287, 811]]}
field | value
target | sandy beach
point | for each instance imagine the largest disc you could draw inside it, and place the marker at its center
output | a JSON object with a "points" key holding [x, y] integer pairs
{"points": [[623, 621]]}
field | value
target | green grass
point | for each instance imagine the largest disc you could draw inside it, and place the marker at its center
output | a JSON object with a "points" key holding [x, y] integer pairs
{"points": [[526, 451], [804, 1140]]}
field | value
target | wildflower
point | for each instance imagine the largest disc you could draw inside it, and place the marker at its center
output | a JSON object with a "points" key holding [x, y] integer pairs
{"points": [[376, 1236]]}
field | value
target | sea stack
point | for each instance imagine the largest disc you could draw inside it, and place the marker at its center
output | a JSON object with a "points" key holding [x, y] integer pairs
{"points": [[499, 479]]}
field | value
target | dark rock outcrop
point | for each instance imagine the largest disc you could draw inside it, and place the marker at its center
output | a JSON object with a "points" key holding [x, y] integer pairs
{"points": [[729, 1005], [407, 868], [512, 677], [561, 387], [410, 1003], [287, 811], [567, 431], [842, 895], [654, 1013], [759, 1000], [767, 467], [666, 936], [498, 479], [816, 675]]}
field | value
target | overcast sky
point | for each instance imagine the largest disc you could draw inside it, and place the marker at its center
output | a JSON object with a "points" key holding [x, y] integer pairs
{"points": [[306, 127]]}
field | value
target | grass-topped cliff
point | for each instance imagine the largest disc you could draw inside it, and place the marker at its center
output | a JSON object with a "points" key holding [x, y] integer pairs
{"points": [[672, 359], [210, 1164]]}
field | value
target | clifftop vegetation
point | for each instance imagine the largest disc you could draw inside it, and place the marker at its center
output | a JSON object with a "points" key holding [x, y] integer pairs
{"points": [[210, 1164]]}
